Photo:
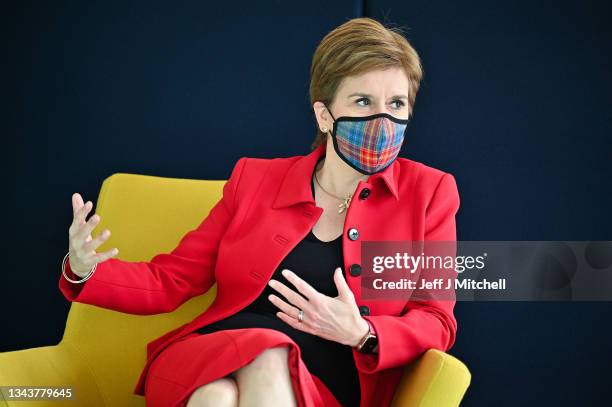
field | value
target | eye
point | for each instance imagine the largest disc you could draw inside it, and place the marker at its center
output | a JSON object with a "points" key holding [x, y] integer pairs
{"points": [[401, 103], [360, 99]]}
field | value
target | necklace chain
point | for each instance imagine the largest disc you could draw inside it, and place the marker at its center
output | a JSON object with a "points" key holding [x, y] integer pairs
{"points": [[345, 201]]}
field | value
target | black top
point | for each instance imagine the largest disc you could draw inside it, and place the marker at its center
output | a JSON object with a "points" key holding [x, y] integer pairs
{"points": [[332, 362]]}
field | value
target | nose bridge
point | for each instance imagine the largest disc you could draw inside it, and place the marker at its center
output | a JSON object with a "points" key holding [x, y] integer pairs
{"points": [[380, 107]]}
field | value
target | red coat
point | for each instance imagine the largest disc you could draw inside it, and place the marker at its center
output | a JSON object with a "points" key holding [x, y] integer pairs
{"points": [[265, 210]]}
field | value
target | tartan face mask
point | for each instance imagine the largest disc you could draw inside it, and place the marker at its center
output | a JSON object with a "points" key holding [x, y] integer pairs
{"points": [[369, 144]]}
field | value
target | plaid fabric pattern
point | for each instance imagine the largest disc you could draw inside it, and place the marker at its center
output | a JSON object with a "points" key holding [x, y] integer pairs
{"points": [[371, 145]]}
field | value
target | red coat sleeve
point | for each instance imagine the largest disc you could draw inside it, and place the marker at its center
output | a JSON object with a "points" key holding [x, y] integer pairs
{"points": [[168, 279], [424, 324]]}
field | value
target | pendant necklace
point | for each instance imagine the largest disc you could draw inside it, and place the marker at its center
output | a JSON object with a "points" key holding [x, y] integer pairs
{"points": [[345, 201]]}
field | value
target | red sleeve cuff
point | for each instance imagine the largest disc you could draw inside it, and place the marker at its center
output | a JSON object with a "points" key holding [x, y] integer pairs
{"points": [[372, 329]]}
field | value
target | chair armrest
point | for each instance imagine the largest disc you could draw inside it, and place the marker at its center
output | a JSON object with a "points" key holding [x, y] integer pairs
{"points": [[436, 379], [50, 366]]}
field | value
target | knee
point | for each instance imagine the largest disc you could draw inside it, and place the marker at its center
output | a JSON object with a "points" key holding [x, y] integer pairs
{"points": [[270, 362], [222, 392]]}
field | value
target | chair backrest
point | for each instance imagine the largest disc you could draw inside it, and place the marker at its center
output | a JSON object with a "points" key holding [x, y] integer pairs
{"points": [[146, 215]]}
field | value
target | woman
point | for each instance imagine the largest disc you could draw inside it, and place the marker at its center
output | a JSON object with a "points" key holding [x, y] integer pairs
{"points": [[303, 337]]}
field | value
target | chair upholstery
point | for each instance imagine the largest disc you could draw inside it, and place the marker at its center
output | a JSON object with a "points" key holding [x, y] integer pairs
{"points": [[102, 351]]}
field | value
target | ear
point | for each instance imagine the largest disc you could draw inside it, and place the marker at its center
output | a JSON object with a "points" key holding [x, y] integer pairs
{"points": [[322, 115]]}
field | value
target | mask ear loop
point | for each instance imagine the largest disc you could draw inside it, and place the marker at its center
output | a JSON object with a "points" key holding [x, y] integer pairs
{"points": [[330, 113]]}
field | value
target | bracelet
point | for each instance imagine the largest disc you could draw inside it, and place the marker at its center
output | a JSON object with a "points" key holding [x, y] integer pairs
{"points": [[87, 277]]}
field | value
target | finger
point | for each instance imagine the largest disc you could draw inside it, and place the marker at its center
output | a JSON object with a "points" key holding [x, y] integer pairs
{"points": [[77, 208], [77, 203], [293, 297], [284, 306], [86, 229], [302, 286], [90, 225], [296, 324], [82, 213], [93, 244], [344, 291], [79, 218], [100, 257]]}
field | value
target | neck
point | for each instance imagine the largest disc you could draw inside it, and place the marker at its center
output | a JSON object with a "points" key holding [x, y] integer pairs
{"points": [[337, 177]]}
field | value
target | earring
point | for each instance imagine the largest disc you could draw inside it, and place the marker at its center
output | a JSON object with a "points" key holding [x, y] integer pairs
{"points": [[324, 129]]}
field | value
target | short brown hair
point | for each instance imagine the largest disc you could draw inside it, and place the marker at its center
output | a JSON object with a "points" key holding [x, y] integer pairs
{"points": [[358, 46]]}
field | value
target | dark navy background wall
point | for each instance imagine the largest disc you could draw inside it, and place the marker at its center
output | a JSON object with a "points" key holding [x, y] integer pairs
{"points": [[515, 103]]}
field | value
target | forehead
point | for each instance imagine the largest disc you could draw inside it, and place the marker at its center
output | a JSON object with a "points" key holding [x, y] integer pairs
{"points": [[378, 82]]}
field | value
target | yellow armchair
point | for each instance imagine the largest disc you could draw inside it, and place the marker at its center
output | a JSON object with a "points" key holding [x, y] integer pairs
{"points": [[102, 352]]}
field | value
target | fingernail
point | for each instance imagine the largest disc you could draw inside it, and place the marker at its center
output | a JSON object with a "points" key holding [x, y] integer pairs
{"points": [[285, 272]]}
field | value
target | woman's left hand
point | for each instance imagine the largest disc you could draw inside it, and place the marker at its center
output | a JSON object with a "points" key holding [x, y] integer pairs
{"points": [[333, 318]]}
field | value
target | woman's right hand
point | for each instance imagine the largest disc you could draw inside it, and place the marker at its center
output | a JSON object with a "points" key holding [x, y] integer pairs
{"points": [[81, 245]]}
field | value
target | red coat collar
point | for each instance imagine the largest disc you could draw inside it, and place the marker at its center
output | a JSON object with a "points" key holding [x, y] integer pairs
{"points": [[295, 186]]}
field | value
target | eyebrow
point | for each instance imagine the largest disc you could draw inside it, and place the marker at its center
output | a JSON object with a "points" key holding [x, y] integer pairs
{"points": [[370, 96]]}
